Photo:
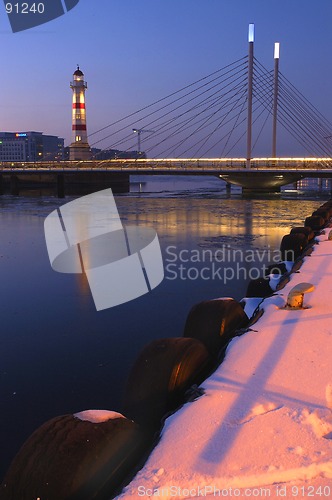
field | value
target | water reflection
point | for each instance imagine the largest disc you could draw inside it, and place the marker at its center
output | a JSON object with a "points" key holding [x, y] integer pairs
{"points": [[58, 355], [197, 219]]}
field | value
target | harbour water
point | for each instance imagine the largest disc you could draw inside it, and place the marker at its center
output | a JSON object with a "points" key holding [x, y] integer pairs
{"points": [[58, 354]]}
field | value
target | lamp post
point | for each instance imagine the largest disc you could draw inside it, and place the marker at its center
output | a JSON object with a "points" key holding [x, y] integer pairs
{"points": [[139, 131]]}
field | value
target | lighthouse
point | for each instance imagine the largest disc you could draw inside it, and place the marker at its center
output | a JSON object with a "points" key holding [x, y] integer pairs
{"points": [[79, 148]]}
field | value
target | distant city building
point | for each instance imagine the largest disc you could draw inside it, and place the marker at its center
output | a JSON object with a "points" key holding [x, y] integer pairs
{"points": [[79, 149], [30, 146], [113, 154], [108, 154]]}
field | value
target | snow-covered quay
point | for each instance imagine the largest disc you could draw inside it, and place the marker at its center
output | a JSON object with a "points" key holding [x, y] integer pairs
{"points": [[263, 427]]}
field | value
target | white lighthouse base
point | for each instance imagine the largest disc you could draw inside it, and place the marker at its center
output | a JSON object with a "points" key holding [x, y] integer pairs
{"points": [[79, 151]]}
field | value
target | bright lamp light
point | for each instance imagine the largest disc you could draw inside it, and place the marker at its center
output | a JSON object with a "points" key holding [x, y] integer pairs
{"points": [[251, 33], [276, 50]]}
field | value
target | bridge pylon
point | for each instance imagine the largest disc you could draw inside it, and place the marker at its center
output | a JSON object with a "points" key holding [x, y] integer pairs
{"points": [[251, 36], [275, 98]]}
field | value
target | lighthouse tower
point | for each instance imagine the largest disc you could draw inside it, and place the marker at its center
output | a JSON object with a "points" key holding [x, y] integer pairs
{"points": [[79, 148]]}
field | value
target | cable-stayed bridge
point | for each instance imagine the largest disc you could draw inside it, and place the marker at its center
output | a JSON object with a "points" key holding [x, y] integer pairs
{"points": [[265, 174], [214, 126]]}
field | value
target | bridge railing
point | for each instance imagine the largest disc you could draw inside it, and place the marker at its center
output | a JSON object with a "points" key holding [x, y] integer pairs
{"points": [[134, 164], [176, 164], [291, 163]]}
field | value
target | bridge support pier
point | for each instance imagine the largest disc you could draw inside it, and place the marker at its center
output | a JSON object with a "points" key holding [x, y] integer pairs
{"points": [[88, 182], [62, 183], [255, 182]]}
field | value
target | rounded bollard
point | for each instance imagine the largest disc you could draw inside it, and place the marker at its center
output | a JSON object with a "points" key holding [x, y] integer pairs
{"points": [[327, 206], [164, 370], [316, 222], [75, 457], [259, 287], [214, 322], [322, 213], [277, 268], [306, 230], [292, 246]]}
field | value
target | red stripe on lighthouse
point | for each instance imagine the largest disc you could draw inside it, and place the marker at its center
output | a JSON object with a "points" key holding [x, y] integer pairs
{"points": [[78, 105], [79, 127]]}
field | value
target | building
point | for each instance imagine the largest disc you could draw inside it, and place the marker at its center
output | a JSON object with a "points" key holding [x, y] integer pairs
{"points": [[109, 154], [79, 149], [114, 154], [30, 147]]}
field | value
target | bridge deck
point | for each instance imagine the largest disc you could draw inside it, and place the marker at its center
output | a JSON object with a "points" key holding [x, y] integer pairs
{"points": [[214, 166]]}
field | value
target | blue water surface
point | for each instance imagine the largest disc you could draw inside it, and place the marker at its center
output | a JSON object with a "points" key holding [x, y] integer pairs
{"points": [[58, 354]]}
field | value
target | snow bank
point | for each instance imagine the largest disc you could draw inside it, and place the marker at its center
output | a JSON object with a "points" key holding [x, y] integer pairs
{"points": [[265, 419], [97, 416]]}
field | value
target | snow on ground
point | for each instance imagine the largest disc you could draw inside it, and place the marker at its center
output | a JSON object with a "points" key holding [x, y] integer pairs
{"points": [[264, 425], [97, 416]]}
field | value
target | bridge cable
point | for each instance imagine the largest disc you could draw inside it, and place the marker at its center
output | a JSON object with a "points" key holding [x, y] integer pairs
{"points": [[182, 124], [185, 124], [220, 123], [303, 124], [236, 125], [195, 90], [185, 103], [208, 122], [319, 136], [166, 97], [300, 111], [191, 118], [178, 107]]}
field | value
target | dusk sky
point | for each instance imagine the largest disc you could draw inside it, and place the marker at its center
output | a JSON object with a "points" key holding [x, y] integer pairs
{"points": [[134, 52]]}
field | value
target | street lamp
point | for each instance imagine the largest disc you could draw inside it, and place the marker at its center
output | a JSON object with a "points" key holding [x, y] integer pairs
{"points": [[139, 131]]}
